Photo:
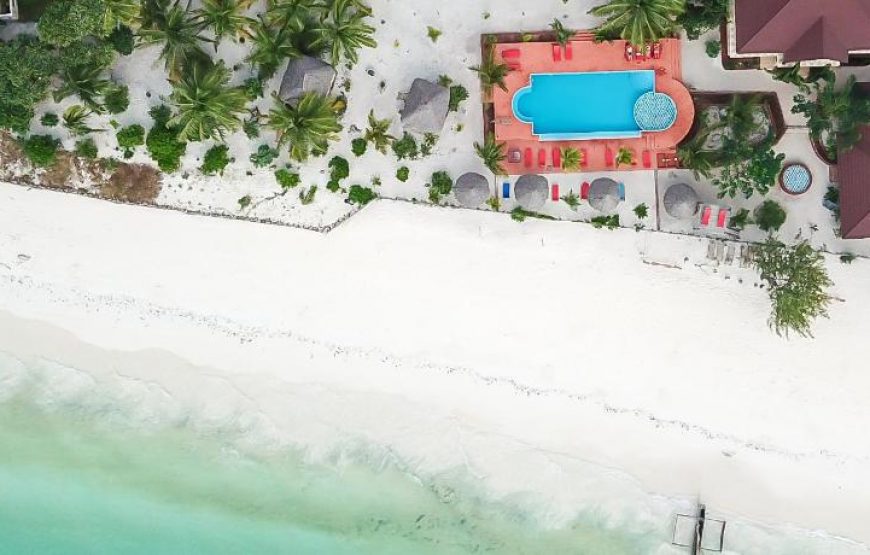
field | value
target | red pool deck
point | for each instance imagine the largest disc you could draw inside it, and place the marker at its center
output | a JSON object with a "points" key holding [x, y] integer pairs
{"points": [[586, 55]]}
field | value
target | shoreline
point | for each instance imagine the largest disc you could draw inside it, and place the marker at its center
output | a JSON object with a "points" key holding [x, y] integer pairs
{"points": [[451, 374]]}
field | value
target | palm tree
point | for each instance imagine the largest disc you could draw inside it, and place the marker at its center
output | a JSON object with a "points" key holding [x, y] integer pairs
{"points": [[378, 133], [740, 116], [178, 29], [225, 17], [492, 154], [75, 119], [835, 116], [640, 22], [624, 157], [491, 73], [207, 107], [294, 15], [86, 82], [572, 158], [121, 12], [271, 47], [563, 35], [344, 30], [308, 125]]}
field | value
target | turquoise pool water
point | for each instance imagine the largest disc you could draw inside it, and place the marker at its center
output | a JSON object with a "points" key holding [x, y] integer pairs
{"points": [[566, 106]]}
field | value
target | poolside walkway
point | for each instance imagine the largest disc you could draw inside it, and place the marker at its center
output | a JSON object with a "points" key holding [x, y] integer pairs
{"points": [[651, 150]]}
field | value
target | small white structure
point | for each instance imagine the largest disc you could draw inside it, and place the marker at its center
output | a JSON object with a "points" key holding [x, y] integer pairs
{"points": [[9, 10]]}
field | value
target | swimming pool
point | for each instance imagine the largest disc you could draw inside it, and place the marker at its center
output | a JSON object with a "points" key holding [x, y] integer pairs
{"points": [[590, 105]]}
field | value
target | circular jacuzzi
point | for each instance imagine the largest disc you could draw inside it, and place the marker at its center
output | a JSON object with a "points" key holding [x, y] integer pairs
{"points": [[655, 111]]}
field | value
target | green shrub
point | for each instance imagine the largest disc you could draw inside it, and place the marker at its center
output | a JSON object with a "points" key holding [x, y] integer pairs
{"points": [[739, 220], [713, 48], [358, 146], [307, 195], [406, 147], [458, 95], [610, 222], [403, 173], [251, 127], [338, 168], [67, 21], [93, 53], [770, 216], [360, 195], [131, 136], [287, 179], [253, 88], [161, 114], [244, 202], [122, 40], [26, 67], [641, 211], [433, 33], [41, 150], [117, 100], [87, 148], [264, 156], [215, 160], [428, 144], [440, 185], [165, 148], [49, 119]]}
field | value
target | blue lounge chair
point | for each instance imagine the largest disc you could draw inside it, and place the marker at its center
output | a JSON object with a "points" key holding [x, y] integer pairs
{"points": [[620, 188], [506, 190]]}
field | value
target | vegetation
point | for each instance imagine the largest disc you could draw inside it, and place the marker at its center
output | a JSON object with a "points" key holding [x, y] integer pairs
{"points": [[49, 119], [403, 173], [87, 149], [339, 169], [215, 160], [287, 179], [358, 146], [572, 158], [117, 99], [433, 33], [797, 283], [713, 48], [26, 67], [440, 185], [755, 172], [847, 258], [572, 200], [67, 21], [207, 107], [610, 222], [641, 211], [360, 195], [121, 13], [178, 29], [307, 127], [700, 17], [563, 35], [491, 73], [264, 156], [492, 153], [770, 216], [377, 133], [75, 120], [641, 22], [244, 202], [834, 116], [306, 196], [130, 137], [343, 31], [458, 95], [41, 150], [162, 141], [624, 157], [272, 45], [406, 147], [226, 18], [122, 40], [740, 220], [86, 82]]}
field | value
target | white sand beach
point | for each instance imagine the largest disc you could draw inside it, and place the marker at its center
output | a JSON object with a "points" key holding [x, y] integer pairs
{"points": [[569, 367]]}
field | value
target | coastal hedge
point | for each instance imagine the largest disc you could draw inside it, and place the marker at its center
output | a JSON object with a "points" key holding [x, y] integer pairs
{"points": [[67, 21], [26, 67], [41, 150]]}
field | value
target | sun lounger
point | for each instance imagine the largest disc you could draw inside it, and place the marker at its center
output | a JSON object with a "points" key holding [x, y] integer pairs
{"points": [[705, 215], [557, 52], [647, 159], [510, 53], [514, 66], [620, 189], [569, 51], [629, 52], [584, 190], [557, 157], [505, 190], [542, 158], [555, 192], [527, 158], [608, 157], [723, 216]]}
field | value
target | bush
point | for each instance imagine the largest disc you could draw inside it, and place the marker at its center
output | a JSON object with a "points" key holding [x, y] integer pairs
{"points": [[253, 88], [641, 211], [287, 179], [458, 95], [117, 100], [87, 148], [700, 17], [358, 146], [122, 40], [739, 220], [360, 195], [610, 222], [440, 185], [264, 156], [93, 53], [165, 148], [131, 136], [770, 216], [26, 67], [406, 147], [713, 48], [251, 127], [403, 173], [41, 150], [215, 160], [307, 195], [49, 119], [67, 21], [161, 114]]}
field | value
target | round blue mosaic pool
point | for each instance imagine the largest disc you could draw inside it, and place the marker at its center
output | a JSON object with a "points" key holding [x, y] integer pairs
{"points": [[655, 111], [796, 179]]}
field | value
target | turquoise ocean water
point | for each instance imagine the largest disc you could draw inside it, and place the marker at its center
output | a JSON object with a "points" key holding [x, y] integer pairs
{"points": [[71, 484]]}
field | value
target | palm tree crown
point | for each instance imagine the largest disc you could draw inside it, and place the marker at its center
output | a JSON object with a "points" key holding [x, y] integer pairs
{"points": [[225, 17], [308, 125], [207, 107], [641, 22], [344, 31], [178, 29], [492, 154], [491, 73]]}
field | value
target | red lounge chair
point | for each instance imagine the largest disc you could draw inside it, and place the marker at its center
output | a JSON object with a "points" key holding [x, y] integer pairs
{"points": [[705, 215], [557, 157], [608, 157], [723, 215], [510, 53], [514, 66], [629, 52], [542, 158], [584, 190], [657, 50], [583, 159], [569, 52], [527, 158], [555, 192], [647, 159], [557, 52]]}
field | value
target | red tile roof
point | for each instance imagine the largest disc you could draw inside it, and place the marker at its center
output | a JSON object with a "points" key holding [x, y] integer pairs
{"points": [[803, 29]]}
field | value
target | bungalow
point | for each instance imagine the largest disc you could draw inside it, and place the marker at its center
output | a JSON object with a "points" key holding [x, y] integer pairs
{"points": [[853, 169], [808, 32]]}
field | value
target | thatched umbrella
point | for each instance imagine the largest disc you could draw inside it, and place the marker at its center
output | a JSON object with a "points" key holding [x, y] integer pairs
{"points": [[471, 189], [531, 191], [604, 194], [681, 201], [306, 75], [425, 109]]}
